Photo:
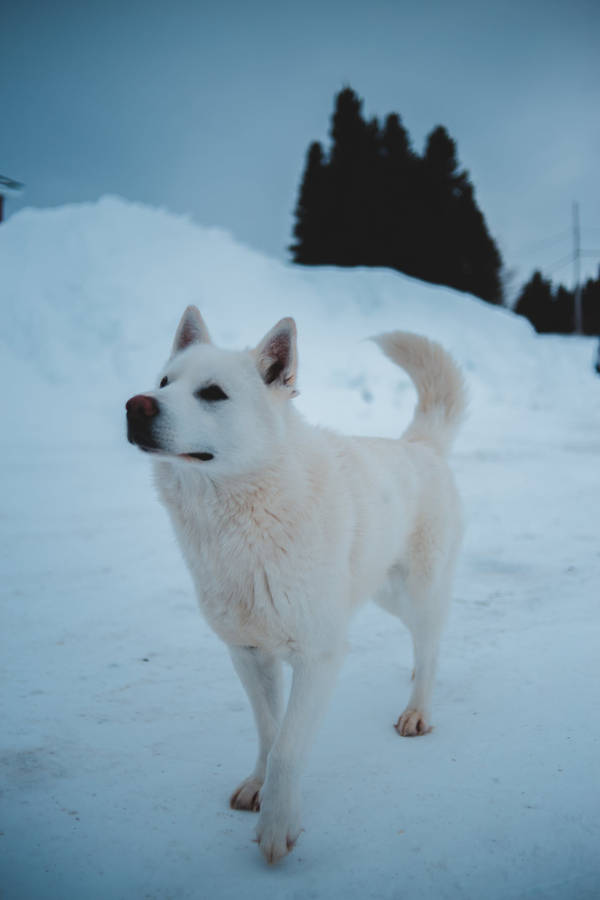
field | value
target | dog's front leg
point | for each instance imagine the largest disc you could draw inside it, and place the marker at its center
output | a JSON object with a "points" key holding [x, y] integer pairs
{"points": [[261, 675], [279, 823]]}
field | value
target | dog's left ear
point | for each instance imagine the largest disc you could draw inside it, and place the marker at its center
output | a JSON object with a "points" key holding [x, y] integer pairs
{"points": [[276, 355]]}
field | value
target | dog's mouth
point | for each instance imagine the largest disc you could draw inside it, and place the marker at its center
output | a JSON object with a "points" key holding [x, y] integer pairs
{"points": [[202, 456]]}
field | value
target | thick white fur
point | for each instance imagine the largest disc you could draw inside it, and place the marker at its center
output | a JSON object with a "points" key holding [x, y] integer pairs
{"points": [[290, 527]]}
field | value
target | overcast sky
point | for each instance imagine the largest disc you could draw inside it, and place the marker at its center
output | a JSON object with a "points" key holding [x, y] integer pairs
{"points": [[208, 108]]}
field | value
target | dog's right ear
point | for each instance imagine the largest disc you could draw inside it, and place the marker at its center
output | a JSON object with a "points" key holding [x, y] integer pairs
{"points": [[191, 330]]}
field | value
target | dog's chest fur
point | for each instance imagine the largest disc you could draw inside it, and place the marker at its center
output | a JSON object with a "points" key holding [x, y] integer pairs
{"points": [[247, 569]]}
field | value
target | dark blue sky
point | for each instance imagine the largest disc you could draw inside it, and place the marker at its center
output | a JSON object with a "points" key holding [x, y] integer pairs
{"points": [[208, 108]]}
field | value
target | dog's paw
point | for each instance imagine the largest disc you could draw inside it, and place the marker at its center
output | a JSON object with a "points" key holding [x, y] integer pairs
{"points": [[412, 723], [276, 838], [247, 795]]}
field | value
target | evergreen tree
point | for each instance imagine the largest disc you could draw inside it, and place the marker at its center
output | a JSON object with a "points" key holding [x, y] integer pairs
{"points": [[534, 302], [437, 239], [461, 252], [478, 260], [561, 315], [352, 173], [552, 311], [397, 196], [590, 301], [313, 212]]}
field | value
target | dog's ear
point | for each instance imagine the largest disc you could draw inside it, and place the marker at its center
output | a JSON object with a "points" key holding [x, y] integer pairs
{"points": [[276, 355], [191, 330]]}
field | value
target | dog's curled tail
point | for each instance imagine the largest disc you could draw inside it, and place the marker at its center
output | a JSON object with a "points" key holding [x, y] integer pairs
{"points": [[440, 387]]}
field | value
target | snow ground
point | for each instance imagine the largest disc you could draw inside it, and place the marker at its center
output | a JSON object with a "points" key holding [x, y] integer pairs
{"points": [[124, 725]]}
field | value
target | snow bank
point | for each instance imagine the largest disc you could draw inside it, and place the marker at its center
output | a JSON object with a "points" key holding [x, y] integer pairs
{"points": [[92, 294]]}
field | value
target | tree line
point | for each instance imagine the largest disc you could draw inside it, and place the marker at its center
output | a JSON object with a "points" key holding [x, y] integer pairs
{"points": [[371, 200], [551, 309]]}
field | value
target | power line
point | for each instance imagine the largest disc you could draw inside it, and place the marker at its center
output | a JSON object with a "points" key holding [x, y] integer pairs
{"points": [[543, 243], [560, 263]]}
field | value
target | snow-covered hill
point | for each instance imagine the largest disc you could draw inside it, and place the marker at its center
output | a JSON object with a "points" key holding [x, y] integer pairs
{"points": [[124, 724], [92, 293]]}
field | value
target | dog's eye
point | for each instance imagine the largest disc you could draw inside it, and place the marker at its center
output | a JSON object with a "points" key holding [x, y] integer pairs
{"points": [[211, 393], [164, 382]]}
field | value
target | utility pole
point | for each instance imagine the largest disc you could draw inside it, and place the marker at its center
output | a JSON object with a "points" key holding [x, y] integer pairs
{"points": [[577, 271]]}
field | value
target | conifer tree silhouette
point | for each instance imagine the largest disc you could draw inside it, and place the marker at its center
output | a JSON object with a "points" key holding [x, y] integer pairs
{"points": [[437, 237], [313, 212], [553, 310], [590, 301], [535, 301], [463, 255], [353, 177], [397, 192], [374, 202], [560, 318], [479, 260]]}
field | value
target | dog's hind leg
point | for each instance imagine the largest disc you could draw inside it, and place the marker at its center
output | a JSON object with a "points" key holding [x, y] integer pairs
{"points": [[424, 612], [262, 677], [422, 607], [425, 629]]}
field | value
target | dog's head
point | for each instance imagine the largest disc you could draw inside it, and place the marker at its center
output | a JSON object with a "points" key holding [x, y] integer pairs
{"points": [[217, 408]]}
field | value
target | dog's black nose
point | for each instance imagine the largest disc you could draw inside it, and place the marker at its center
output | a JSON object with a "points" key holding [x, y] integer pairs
{"points": [[141, 407]]}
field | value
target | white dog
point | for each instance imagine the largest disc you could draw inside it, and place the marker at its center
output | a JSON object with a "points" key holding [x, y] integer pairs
{"points": [[287, 529]]}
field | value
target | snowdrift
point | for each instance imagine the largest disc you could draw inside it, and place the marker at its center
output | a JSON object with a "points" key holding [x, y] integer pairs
{"points": [[92, 294]]}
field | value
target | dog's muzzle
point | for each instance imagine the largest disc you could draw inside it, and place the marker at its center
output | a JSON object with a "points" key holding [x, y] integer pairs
{"points": [[141, 412]]}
